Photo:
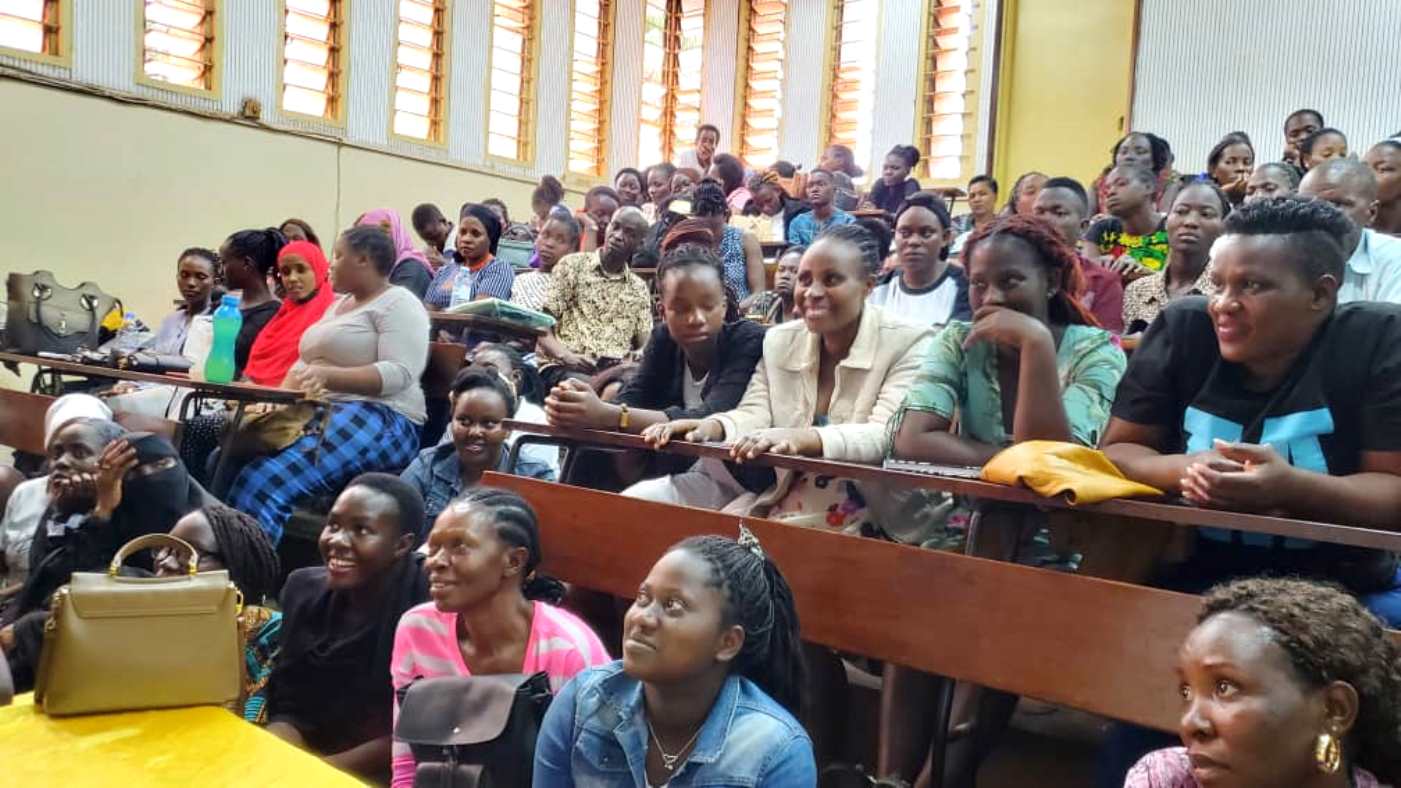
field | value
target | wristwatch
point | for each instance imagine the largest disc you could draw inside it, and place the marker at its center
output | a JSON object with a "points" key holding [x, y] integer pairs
{"points": [[623, 416]]}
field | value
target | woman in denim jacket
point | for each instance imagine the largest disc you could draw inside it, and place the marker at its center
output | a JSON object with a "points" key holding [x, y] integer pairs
{"points": [[705, 693]]}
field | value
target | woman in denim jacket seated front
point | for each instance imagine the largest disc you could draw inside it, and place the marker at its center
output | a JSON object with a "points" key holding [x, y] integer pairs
{"points": [[705, 693]]}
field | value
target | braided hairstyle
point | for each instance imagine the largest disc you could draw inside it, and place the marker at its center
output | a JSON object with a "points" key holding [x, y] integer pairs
{"points": [[866, 244], [681, 256], [517, 525], [708, 199], [1328, 636], [215, 264], [758, 599], [1061, 262], [248, 554]]}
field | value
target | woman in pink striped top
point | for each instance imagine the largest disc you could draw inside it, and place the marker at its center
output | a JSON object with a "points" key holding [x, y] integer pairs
{"points": [[487, 615]]}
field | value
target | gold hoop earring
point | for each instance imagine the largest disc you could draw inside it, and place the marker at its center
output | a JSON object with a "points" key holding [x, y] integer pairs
{"points": [[1328, 753]]}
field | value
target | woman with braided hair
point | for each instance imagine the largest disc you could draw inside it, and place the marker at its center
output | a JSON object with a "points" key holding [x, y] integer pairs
{"points": [[1283, 682], [708, 687], [1030, 365], [225, 538], [492, 612]]}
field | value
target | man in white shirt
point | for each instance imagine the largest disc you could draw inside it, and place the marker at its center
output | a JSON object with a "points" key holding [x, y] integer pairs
{"points": [[1373, 271], [702, 156]]}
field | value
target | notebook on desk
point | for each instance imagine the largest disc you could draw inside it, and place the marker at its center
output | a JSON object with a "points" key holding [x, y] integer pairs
{"points": [[934, 469]]}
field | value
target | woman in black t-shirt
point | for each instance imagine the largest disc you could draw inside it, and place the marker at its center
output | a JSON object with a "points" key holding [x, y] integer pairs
{"points": [[1271, 398]]}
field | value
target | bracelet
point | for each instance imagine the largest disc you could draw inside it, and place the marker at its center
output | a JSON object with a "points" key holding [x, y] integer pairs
{"points": [[623, 416]]}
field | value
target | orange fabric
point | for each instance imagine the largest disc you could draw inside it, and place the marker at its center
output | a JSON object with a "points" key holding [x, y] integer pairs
{"points": [[202, 745], [1052, 468], [480, 264]]}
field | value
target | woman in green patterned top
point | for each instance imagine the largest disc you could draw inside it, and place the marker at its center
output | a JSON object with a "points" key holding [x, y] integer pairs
{"points": [[1132, 240], [1030, 366]]}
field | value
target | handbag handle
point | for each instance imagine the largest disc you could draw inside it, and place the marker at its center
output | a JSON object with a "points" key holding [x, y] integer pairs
{"points": [[151, 540]]}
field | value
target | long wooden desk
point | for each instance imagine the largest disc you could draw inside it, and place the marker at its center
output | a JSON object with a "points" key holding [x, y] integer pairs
{"points": [[1160, 511], [203, 745]]}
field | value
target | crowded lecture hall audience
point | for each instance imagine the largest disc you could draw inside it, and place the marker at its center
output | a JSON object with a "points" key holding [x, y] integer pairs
{"points": [[1229, 338]]}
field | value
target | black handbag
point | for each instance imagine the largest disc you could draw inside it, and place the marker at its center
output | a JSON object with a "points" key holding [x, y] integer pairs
{"points": [[45, 316], [473, 731], [154, 363]]}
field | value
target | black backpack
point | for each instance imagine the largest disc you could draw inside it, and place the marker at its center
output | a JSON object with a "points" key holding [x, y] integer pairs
{"points": [[473, 731]]}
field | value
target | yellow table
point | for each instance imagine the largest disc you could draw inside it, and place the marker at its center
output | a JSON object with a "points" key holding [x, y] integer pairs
{"points": [[203, 746]]}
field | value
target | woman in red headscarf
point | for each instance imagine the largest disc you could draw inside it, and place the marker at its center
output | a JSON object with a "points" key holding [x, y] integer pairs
{"points": [[304, 272], [305, 277]]}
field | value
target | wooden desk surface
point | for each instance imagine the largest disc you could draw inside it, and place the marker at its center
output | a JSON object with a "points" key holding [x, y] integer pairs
{"points": [[484, 323], [1178, 513], [235, 391]]}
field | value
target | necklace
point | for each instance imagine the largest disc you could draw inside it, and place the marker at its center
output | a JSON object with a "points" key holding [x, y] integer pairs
{"points": [[669, 761]]}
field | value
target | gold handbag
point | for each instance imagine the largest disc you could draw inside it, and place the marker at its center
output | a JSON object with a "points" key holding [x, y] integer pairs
{"points": [[117, 643]]}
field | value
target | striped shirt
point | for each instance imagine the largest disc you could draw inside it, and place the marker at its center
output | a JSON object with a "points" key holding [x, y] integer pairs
{"points": [[425, 646]]}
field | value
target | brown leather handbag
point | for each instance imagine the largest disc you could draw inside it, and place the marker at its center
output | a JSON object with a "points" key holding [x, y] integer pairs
{"points": [[115, 643]]}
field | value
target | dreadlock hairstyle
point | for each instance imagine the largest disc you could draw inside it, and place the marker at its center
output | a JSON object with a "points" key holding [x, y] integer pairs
{"points": [[215, 264], [758, 599], [866, 244], [248, 555], [1061, 261], [530, 387], [516, 525], [681, 256], [1328, 636]]}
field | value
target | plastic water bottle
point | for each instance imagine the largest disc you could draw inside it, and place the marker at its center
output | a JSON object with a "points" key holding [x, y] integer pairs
{"points": [[219, 367]]}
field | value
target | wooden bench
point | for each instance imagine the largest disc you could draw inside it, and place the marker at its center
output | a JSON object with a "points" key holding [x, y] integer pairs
{"points": [[1103, 647], [22, 422], [445, 360]]}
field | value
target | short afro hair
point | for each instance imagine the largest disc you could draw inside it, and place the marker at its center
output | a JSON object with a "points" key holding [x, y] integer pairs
{"points": [[1316, 230]]}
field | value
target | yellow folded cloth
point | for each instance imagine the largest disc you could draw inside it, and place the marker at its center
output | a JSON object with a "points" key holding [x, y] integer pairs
{"points": [[1051, 468], [202, 745]]}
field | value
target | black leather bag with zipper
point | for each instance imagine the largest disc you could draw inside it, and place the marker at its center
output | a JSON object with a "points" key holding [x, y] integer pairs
{"points": [[44, 316], [473, 731]]}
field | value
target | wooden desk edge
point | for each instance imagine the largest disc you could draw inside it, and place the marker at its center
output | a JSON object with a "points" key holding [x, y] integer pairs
{"points": [[1147, 510], [224, 390]]}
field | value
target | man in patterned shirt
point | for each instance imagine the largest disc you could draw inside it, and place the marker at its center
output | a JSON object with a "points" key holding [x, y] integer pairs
{"points": [[603, 309]]}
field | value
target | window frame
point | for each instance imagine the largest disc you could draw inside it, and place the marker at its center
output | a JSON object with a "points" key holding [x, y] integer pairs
{"points": [[445, 79], [342, 81], [835, 22], [530, 85], [64, 56], [928, 89], [742, 81], [605, 108], [671, 145], [216, 61]]}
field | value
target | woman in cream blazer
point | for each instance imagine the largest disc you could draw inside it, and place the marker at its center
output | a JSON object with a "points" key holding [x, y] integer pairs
{"points": [[826, 387]]}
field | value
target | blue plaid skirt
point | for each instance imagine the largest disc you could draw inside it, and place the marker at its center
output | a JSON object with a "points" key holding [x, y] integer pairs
{"points": [[359, 437]]}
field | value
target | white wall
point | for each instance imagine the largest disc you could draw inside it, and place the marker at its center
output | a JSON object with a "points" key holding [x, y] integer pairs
{"points": [[1209, 67]]}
